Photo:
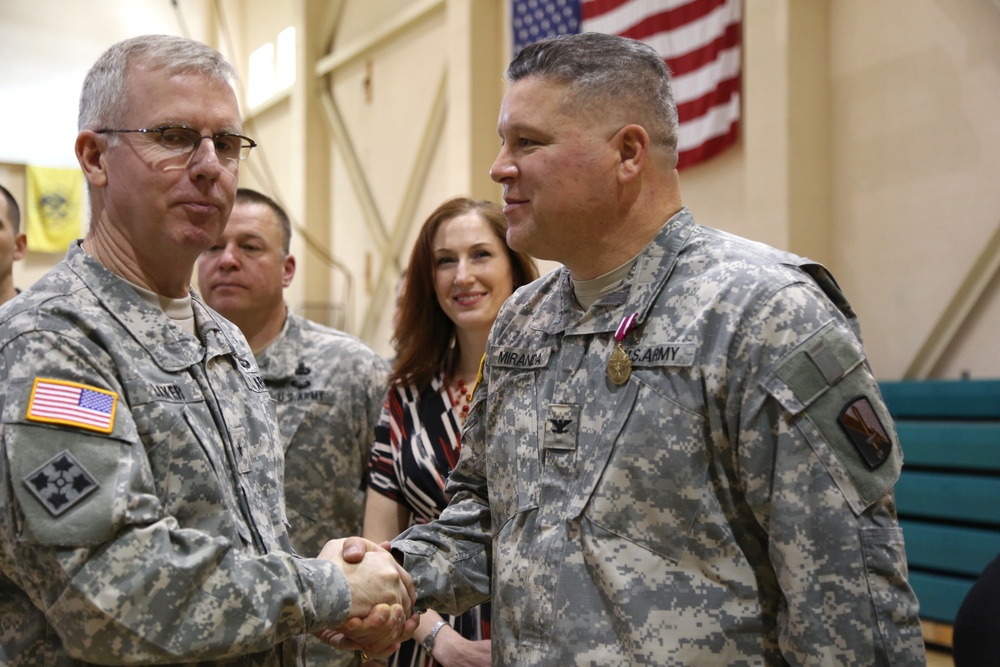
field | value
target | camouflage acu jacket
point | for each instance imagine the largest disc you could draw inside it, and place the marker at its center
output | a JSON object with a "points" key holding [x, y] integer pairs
{"points": [[729, 504], [329, 388], [141, 516]]}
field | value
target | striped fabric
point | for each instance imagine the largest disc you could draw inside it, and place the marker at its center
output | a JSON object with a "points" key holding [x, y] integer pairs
{"points": [[700, 40]]}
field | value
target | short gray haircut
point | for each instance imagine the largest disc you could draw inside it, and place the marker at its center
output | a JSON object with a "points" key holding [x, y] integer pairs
{"points": [[104, 100], [606, 72]]}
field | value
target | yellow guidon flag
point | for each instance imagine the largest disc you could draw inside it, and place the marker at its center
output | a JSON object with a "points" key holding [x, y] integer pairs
{"points": [[72, 404], [54, 210]]}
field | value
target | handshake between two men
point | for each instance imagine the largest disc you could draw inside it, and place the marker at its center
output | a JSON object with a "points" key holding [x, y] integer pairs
{"points": [[382, 598]]}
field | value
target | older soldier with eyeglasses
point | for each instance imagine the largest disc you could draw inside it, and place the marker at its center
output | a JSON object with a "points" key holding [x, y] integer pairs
{"points": [[141, 509]]}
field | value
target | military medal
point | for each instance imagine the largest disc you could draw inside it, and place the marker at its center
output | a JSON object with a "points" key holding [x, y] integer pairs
{"points": [[620, 366]]}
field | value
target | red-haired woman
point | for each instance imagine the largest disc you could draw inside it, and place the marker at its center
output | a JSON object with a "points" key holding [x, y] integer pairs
{"points": [[460, 272]]}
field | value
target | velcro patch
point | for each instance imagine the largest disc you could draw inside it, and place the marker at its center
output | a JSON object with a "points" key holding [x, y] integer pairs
{"points": [[562, 425], [865, 431], [520, 359], [60, 483], [72, 404]]}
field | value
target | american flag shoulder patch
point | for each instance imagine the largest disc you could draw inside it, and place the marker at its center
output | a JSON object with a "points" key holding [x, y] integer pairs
{"points": [[72, 404]]}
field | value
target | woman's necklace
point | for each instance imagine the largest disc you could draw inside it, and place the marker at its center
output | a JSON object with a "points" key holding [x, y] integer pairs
{"points": [[461, 397]]}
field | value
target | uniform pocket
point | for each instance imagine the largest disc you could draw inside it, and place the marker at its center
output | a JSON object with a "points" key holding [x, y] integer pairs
{"points": [[885, 570], [67, 483], [836, 405], [653, 486], [513, 444]]}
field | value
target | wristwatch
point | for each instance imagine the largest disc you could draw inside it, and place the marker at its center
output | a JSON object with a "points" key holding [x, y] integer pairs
{"points": [[428, 643]]}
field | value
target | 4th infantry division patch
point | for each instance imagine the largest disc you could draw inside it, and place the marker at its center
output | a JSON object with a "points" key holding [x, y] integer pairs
{"points": [[60, 483]]}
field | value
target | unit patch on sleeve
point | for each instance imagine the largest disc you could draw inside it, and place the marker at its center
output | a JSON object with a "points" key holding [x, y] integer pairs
{"points": [[865, 431], [60, 483], [72, 404]]}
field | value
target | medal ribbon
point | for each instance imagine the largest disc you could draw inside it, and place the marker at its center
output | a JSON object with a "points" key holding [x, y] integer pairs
{"points": [[628, 323]]}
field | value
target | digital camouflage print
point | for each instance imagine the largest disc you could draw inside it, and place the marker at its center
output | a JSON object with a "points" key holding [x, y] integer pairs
{"points": [[147, 527], [711, 510], [329, 388]]}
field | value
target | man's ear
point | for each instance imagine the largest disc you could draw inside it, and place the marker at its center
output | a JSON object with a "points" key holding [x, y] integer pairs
{"points": [[90, 155], [20, 246], [289, 271], [633, 150]]}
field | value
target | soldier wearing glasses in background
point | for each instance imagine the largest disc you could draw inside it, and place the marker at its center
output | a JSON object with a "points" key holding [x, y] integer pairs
{"points": [[141, 509]]}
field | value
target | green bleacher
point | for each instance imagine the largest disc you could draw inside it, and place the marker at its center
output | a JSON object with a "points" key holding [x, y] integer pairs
{"points": [[948, 495]]}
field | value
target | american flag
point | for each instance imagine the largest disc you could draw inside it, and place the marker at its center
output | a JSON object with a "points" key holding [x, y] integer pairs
{"points": [[73, 404], [700, 40]]}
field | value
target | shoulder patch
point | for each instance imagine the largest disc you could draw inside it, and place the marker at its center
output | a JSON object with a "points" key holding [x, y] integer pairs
{"points": [[72, 404], [60, 483], [865, 431]]}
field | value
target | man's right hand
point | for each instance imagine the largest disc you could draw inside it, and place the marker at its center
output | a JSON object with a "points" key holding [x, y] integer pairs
{"points": [[373, 575], [379, 628]]}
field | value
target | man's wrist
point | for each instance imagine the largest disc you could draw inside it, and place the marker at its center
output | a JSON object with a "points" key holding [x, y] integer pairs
{"points": [[431, 637]]}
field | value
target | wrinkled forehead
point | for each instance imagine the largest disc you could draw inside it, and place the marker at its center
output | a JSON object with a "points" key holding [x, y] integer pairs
{"points": [[253, 219], [532, 98], [169, 95], [535, 89]]}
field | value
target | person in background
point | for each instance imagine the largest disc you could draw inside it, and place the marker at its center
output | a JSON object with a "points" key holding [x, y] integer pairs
{"points": [[13, 244], [678, 454], [142, 518], [459, 273], [328, 386], [976, 640]]}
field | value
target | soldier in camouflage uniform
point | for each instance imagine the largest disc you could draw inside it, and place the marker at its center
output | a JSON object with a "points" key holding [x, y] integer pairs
{"points": [[13, 243], [141, 510], [677, 453], [329, 386]]}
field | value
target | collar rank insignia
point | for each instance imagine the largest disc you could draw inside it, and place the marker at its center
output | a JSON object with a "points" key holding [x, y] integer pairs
{"points": [[60, 483], [865, 431]]}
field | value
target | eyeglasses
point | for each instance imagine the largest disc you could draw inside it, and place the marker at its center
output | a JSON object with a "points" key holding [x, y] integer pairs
{"points": [[184, 141]]}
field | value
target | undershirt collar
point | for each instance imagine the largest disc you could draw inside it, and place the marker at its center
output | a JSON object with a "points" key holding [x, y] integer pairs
{"points": [[589, 292], [179, 311]]}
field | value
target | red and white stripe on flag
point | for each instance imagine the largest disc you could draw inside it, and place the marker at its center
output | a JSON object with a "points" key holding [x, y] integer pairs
{"points": [[700, 40], [72, 404]]}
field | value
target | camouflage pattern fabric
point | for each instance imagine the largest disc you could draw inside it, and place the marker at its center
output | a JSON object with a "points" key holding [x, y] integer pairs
{"points": [[155, 531], [718, 508], [329, 388]]}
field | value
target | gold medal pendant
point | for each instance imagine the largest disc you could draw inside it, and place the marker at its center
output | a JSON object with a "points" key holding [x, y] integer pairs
{"points": [[619, 366]]}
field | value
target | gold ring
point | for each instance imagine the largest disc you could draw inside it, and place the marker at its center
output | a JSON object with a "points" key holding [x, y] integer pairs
{"points": [[361, 655]]}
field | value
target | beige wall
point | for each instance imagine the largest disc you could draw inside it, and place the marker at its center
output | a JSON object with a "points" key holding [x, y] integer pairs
{"points": [[869, 142], [46, 47], [916, 143]]}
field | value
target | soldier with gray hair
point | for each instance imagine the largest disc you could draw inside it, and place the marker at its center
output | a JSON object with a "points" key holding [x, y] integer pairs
{"points": [[142, 518], [677, 453]]}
